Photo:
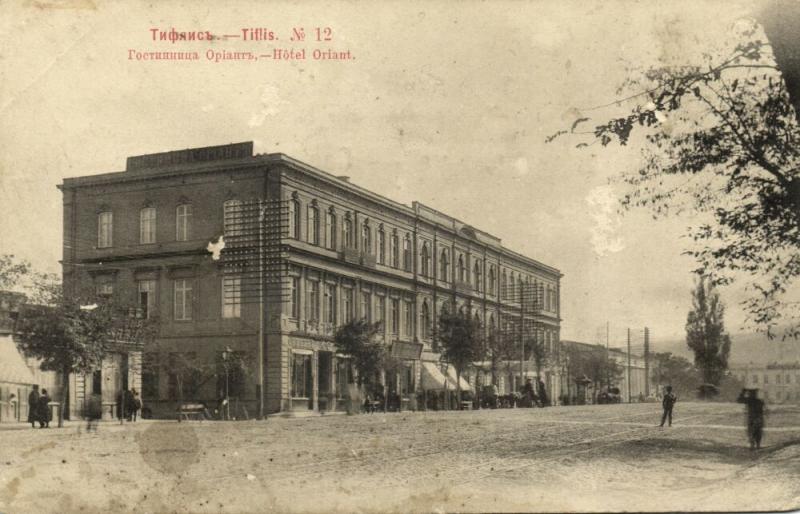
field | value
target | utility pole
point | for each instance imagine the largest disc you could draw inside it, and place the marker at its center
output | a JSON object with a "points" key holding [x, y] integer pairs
{"points": [[629, 365], [646, 361], [262, 305], [608, 378], [521, 335]]}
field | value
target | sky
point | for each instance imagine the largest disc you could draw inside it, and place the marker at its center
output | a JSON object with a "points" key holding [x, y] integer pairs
{"points": [[447, 103]]}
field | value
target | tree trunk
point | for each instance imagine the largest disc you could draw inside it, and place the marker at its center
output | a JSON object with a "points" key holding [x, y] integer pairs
{"points": [[458, 388], [64, 396]]}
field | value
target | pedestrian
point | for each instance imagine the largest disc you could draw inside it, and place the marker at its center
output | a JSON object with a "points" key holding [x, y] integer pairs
{"points": [[93, 412], [44, 410], [136, 403], [755, 416], [33, 406], [667, 403], [544, 401], [129, 407], [530, 396]]}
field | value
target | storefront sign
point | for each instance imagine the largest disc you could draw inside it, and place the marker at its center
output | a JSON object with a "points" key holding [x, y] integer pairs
{"points": [[205, 154], [403, 350]]}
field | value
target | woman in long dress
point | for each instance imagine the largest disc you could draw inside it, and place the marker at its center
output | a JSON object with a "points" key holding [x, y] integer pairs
{"points": [[44, 410]]}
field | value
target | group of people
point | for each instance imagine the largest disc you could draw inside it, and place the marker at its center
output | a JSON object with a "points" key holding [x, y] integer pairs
{"points": [[128, 404], [39, 408]]}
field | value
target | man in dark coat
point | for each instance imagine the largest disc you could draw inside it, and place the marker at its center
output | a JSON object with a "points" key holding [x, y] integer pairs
{"points": [[755, 416], [44, 410], [667, 403], [33, 406], [544, 401]]}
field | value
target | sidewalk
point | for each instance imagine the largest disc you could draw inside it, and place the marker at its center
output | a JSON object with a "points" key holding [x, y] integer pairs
{"points": [[70, 424]]}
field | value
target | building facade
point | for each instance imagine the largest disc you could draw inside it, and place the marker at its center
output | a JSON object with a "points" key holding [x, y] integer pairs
{"points": [[777, 382], [143, 235]]}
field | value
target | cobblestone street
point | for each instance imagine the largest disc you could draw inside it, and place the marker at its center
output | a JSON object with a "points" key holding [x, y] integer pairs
{"points": [[572, 458]]}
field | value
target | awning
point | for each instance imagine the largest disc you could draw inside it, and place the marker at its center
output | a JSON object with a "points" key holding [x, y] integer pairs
{"points": [[432, 377], [451, 373], [12, 365]]}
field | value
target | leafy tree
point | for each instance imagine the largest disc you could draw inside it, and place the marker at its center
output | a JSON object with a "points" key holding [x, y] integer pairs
{"points": [[669, 369], [69, 336], [592, 363], [500, 348], [12, 270], [705, 332], [357, 338], [460, 336], [719, 137], [538, 352]]}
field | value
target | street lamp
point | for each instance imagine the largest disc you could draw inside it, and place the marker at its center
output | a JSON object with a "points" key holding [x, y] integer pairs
{"points": [[225, 354]]}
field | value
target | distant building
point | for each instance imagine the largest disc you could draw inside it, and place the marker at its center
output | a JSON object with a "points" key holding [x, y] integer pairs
{"points": [[18, 374], [777, 382]]}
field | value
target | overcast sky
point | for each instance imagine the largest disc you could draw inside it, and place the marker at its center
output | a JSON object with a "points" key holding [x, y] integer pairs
{"points": [[447, 103]]}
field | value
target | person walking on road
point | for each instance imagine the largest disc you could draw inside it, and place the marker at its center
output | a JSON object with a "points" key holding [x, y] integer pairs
{"points": [[33, 406], [755, 416], [44, 410], [667, 403]]}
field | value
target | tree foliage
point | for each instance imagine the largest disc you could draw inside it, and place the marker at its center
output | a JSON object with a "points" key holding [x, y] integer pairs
{"points": [[593, 364], [705, 332], [669, 369], [357, 339], [500, 348], [719, 137], [11, 270], [461, 339]]}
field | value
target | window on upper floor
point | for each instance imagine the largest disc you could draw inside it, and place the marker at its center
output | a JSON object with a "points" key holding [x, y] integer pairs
{"points": [[366, 238], [444, 266], [476, 273], [408, 319], [232, 217], [394, 251], [183, 299], [492, 281], [105, 287], [462, 270], [504, 285], [294, 297], [330, 230], [381, 246], [329, 304], [366, 306], [105, 229], [294, 219], [147, 297], [347, 233], [348, 304], [425, 257], [183, 219], [425, 320], [312, 300], [407, 253], [395, 316], [231, 297], [380, 309], [312, 228]]}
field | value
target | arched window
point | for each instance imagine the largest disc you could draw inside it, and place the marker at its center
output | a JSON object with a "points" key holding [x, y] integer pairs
{"points": [[445, 309], [147, 225], [183, 218], [312, 225], [476, 272], [425, 257], [520, 290], [444, 267], [462, 270], [294, 218], [407, 253], [492, 282], [347, 233], [394, 251], [512, 294], [504, 285], [492, 323], [366, 238], [330, 230], [381, 246], [426, 320], [477, 319]]}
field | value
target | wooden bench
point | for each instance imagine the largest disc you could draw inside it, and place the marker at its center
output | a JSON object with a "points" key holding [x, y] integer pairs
{"points": [[189, 411]]}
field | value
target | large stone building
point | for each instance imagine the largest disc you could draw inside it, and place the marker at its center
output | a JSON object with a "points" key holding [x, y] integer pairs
{"points": [[778, 382], [142, 235]]}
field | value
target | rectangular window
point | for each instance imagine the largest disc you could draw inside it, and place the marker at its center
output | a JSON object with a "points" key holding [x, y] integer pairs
{"points": [[312, 225], [301, 375], [395, 316], [381, 247], [147, 297], [231, 297], [105, 229], [407, 379], [147, 225], [329, 304], [408, 324], [312, 307], [380, 312], [183, 299], [330, 231], [366, 306], [294, 308], [183, 216], [232, 218], [347, 304], [755, 379]]}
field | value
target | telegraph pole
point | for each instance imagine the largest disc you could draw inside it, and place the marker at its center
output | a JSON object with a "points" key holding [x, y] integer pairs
{"points": [[629, 365], [646, 361], [262, 305]]}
